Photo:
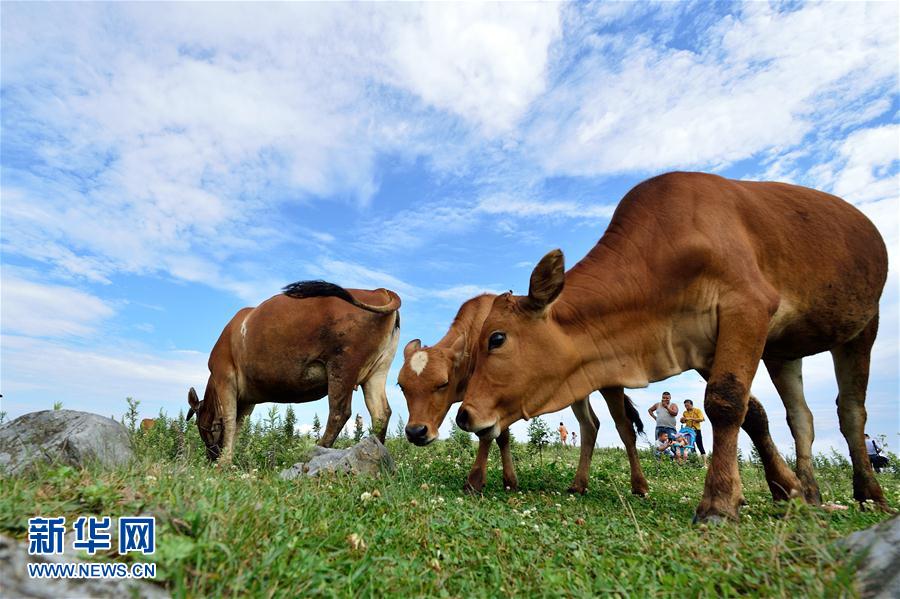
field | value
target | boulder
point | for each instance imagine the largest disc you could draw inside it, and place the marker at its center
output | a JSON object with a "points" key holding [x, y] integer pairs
{"points": [[16, 582], [878, 550], [368, 458], [62, 436]]}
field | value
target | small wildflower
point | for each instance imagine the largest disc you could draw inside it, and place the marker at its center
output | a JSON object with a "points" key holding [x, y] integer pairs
{"points": [[365, 497], [459, 500], [150, 478], [356, 542]]}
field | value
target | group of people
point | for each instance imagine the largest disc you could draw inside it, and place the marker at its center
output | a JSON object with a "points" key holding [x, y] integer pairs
{"points": [[564, 435], [672, 441]]}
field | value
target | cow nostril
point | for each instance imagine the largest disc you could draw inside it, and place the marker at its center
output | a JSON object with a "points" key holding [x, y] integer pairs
{"points": [[416, 431], [462, 419]]}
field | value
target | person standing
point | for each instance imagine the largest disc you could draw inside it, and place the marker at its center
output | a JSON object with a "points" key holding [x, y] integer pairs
{"points": [[563, 433], [692, 417], [664, 412], [574, 439], [878, 460]]}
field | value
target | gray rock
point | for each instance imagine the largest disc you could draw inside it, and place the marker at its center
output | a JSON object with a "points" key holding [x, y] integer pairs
{"points": [[64, 436], [368, 458], [16, 582], [878, 549]]}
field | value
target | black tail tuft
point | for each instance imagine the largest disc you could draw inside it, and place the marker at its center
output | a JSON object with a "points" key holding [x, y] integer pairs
{"points": [[634, 416], [304, 289]]}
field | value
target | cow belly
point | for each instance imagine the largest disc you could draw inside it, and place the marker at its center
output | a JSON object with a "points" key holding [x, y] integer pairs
{"points": [[308, 382], [795, 334]]}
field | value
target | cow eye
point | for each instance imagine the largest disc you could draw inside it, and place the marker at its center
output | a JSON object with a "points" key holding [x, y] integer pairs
{"points": [[496, 340], [442, 386]]}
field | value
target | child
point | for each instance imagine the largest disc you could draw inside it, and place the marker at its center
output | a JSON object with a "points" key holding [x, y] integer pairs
{"points": [[664, 445], [679, 445]]}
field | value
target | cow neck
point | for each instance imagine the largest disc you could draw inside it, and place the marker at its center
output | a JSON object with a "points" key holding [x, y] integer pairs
{"points": [[602, 310]]}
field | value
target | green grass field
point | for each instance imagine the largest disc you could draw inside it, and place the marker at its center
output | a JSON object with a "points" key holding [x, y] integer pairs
{"points": [[244, 532]]}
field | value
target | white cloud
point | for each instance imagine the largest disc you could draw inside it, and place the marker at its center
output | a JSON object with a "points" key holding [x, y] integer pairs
{"points": [[760, 82], [40, 370], [484, 62], [38, 309], [504, 204]]}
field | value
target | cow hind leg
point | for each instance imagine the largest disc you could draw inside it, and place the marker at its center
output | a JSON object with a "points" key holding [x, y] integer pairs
{"points": [[787, 376], [377, 403], [615, 401], [587, 424], [340, 401], [851, 367]]}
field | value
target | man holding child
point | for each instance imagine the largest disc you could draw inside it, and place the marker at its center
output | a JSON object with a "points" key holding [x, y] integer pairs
{"points": [[692, 418]]}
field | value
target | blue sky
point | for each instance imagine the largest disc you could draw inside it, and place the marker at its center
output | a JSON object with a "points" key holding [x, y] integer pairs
{"points": [[164, 166]]}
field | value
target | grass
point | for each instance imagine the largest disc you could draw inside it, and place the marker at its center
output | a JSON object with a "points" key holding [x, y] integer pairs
{"points": [[245, 532]]}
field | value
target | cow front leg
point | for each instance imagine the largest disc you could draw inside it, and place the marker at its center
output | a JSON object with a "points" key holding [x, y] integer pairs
{"points": [[741, 338], [615, 400], [475, 481], [510, 480], [588, 425], [227, 395]]}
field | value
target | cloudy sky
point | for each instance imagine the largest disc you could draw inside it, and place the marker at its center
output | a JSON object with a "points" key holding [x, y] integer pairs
{"points": [[165, 165]]}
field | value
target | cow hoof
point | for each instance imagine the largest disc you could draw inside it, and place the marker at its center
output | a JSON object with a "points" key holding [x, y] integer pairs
{"points": [[712, 519], [471, 489], [577, 489], [511, 486]]}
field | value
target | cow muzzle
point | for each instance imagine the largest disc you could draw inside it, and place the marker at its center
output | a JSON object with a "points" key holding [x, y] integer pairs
{"points": [[417, 434], [468, 422]]}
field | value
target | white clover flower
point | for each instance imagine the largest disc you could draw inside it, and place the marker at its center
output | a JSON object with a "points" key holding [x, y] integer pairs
{"points": [[365, 497]]}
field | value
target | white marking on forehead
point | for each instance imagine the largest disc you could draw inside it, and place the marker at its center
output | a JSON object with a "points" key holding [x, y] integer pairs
{"points": [[418, 362]]}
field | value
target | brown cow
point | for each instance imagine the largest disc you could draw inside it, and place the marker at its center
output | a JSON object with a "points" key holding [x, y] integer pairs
{"points": [[434, 378], [313, 340], [698, 272]]}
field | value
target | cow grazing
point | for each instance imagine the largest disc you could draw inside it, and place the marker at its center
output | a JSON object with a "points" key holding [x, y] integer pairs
{"points": [[434, 378], [315, 339], [699, 272]]}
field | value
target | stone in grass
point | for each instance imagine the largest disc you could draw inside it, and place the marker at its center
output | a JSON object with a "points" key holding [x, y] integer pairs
{"points": [[62, 436], [16, 582], [368, 457], [878, 551]]}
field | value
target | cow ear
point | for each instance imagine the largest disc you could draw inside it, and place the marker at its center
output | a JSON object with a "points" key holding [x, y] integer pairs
{"points": [[458, 350], [411, 348], [193, 402], [547, 281]]}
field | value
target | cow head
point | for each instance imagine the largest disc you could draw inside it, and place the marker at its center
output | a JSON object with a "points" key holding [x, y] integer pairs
{"points": [[522, 358], [430, 378], [209, 423]]}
